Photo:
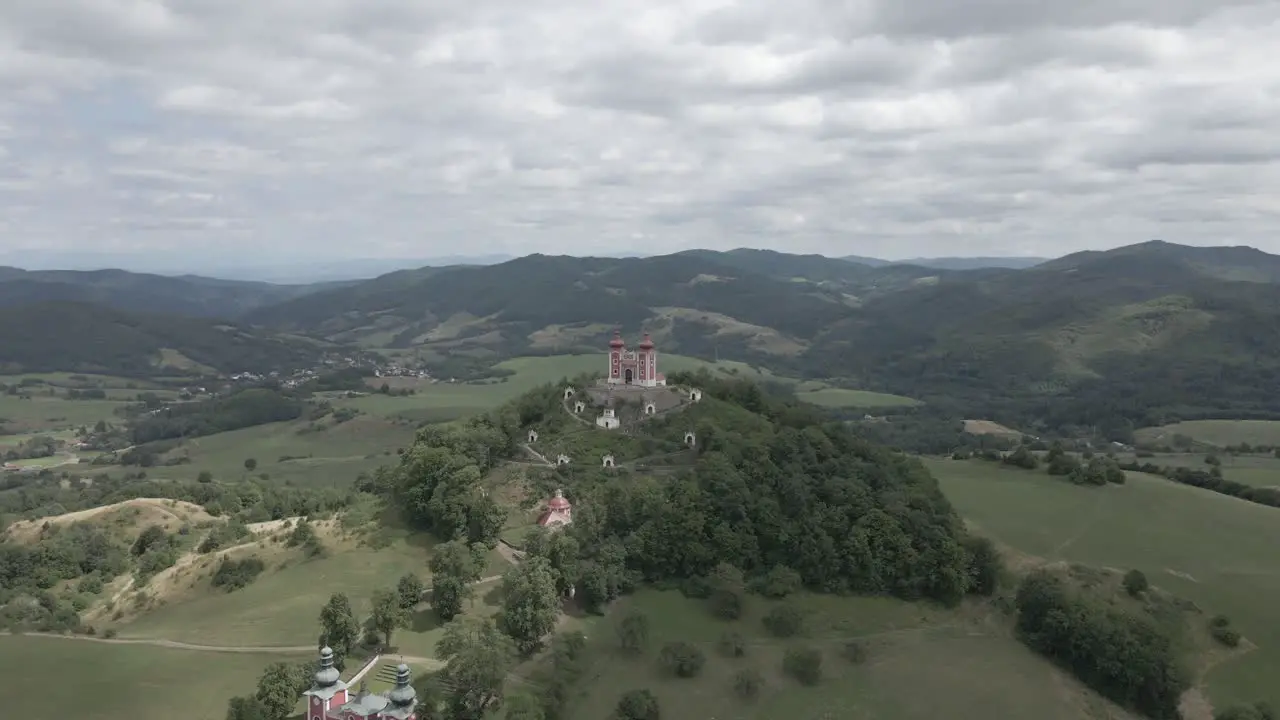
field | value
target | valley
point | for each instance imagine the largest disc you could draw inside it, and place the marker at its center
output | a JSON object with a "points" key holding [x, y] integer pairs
{"points": [[200, 492]]}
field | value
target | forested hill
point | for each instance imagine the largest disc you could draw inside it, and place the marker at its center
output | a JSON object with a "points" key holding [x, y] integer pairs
{"points": [[775, 495], [78, 337], [1112, 341], [189, 295]]}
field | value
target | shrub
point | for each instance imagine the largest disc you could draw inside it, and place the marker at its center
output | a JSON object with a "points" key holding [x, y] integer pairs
{"points": [[682, 659], [985, 565], [747, 684], [733, 645], [235, 574], [783, 621], [1135, 583], [779, 582], [803, 664], [638, 705], [727, 589], [1225, 635]]}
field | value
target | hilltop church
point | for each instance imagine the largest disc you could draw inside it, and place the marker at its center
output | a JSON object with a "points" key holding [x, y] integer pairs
{"points": [[634, 367]]}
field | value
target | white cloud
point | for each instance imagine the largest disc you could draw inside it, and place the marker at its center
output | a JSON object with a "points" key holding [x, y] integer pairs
{"points": [[344, 127]]}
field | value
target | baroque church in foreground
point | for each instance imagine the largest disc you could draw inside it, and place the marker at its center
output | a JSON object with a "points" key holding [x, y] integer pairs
{"points": [[331, 699]]}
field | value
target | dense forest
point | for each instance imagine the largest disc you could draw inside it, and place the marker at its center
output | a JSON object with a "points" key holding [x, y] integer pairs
{"points": [[245, 408]]}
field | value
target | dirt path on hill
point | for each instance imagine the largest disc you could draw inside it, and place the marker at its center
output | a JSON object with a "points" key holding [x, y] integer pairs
{"points": [[176, 645], [539, 455]]}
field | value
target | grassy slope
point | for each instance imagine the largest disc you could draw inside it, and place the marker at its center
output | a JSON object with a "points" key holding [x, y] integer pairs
{"points": [[1215, 550], [923, 663], [1216, 432], [281, 606], [57, 678], [1255, 470], [332, 457]]}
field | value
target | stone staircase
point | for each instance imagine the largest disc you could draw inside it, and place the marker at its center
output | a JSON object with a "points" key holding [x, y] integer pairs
{"points": [[386, 673]]}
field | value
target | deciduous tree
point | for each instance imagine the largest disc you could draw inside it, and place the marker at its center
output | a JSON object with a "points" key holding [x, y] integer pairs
{"points": [[388, 616], [339, 628], [409, 591], [530, 603], [477, 658]]}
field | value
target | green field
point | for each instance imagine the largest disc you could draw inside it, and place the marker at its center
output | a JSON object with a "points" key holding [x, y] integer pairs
{"points": [[42, 413], [922, 663], [1215, 432], [332, 457], [281, 606], [59, 678], [834, 397], [75, 380], [1253, 470], [1215, 550]]}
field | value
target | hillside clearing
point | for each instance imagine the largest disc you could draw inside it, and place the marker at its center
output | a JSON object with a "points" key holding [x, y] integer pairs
{"points": [[835, 397], [989, 427], [1214, 550], [1219, 433], [759, 337]]}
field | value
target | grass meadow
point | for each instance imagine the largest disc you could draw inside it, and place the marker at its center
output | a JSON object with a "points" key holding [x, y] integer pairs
{"points": [[60, 678], [1215, 550], [43, 413], [1215, 432], [1253, 470], [288, 453], [922, 663]]}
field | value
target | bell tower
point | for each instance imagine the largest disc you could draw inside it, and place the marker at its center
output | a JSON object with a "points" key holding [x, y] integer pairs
{"points": [[617, 347]]}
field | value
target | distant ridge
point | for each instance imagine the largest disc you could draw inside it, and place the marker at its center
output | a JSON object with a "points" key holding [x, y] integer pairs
{"points": [[953, 263]]}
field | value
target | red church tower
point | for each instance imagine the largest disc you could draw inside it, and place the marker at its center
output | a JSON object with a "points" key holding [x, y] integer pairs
{"points": [[634, 367]]}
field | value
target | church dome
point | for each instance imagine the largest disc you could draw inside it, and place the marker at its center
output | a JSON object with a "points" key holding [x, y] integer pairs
{"points": [[647, 343], [558, 502], [403, 694], [327, 674], [616, 342]]}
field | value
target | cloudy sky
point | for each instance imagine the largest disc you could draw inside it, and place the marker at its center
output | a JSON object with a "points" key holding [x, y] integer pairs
{"points": [[316, 129]]}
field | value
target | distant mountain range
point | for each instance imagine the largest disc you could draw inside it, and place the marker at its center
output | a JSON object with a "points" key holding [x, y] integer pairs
{"points": [[954, 263], [306, 272], [1129, 336]]}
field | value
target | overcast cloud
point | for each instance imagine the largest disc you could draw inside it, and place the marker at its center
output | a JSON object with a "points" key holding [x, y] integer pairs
{"points": [[410, 128]]}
